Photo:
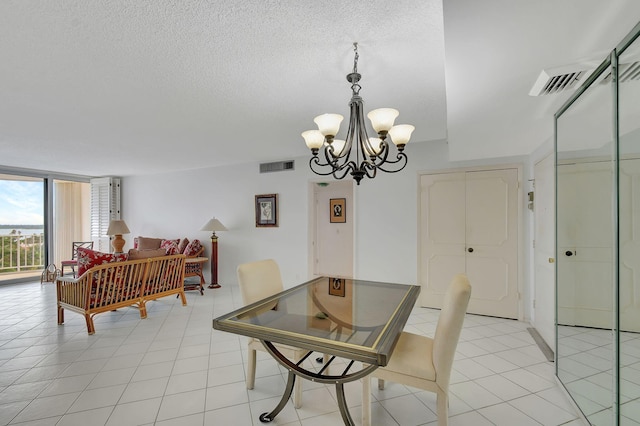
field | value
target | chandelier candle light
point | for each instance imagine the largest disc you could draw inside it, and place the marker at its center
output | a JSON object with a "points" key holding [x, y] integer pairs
{"points": [[371, 154]]}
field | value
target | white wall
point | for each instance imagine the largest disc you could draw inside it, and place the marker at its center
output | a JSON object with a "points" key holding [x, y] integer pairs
{"points": [[175, 205]]}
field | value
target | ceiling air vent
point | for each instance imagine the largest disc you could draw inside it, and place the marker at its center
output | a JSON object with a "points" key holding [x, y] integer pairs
{"points": [[278, 166], [549, 82], [626, 73]]}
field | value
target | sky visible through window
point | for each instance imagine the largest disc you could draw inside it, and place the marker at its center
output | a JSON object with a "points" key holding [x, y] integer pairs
{"points": [[21, 202]]}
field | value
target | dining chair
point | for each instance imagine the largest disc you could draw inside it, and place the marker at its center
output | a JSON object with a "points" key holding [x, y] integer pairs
{"points": [[425, 363], [74, 255], [257, 281]]}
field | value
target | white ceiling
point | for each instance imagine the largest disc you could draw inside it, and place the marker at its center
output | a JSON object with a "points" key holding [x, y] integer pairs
{"points": [[122, 87]]}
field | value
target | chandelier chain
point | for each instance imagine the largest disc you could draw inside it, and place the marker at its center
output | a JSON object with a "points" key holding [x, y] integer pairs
{"points": [[355, 58]]}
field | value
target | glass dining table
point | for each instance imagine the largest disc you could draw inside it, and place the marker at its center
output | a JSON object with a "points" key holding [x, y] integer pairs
{"points": [[358, 321]]}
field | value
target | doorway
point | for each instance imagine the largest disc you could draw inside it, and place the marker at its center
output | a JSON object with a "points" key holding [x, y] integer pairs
{"points": [[332, 229]]}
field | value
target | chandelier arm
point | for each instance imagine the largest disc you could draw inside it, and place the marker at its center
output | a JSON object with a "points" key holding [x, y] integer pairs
{"points": [[368, 169], [400, 159], [381, 157], [314, 164], [363, 138], [352, 132], [339, 172], [345, 169], [329, 157]]}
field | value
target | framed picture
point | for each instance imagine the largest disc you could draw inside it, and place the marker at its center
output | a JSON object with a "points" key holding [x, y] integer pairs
{"points": [[267, 210], [338, 213], [337, 287]]}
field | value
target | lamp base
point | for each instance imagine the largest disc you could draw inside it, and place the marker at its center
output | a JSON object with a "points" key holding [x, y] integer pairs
{"points": [[117, 243], [214, 285]]}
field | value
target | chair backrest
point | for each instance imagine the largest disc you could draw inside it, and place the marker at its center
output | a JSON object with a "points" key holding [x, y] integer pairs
{"points": [[78, 244], [258, 280], [449, 327]]}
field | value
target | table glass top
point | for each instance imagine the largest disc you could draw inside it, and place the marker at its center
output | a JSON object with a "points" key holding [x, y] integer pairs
{"points": [[341, 316]]}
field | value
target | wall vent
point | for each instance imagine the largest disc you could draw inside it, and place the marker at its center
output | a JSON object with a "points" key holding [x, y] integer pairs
{"points": [[277, 166]]}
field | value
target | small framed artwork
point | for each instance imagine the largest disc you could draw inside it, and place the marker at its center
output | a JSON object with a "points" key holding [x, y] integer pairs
{"points": [[336, 287], [267, 210], [338, 213]]}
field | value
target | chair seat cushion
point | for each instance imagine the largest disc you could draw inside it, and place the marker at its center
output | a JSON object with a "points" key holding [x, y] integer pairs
{"points": [[412, 357]]}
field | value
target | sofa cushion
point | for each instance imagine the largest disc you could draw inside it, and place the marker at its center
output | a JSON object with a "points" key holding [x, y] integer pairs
{"points": [[182, 245], [193, 248], [87, 259], [171, 246], [135, 254], [145, 243]]}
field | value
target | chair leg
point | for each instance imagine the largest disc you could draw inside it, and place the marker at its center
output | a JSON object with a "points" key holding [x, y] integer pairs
{"points": [[251, 369], [60, 314], [366, 401], [442, 402], [297, 393]]}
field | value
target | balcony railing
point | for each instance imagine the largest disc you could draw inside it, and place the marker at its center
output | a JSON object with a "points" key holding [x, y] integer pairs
{"points": [[21, 253]]}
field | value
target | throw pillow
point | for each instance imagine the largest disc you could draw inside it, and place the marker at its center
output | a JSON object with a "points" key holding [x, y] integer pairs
{"points": [[145, 243], [146, 254], [170, 246], [193, 248], [87, 259], [183, 244]]}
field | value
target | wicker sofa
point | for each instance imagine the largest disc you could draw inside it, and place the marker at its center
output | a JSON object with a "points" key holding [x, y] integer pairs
{"points": [[110, 286]]}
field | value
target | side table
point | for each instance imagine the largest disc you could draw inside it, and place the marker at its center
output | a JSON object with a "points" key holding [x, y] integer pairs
{"points": [[193, 268]]}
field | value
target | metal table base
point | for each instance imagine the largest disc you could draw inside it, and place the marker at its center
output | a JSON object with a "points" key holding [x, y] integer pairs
{"points": [[297, 369]]}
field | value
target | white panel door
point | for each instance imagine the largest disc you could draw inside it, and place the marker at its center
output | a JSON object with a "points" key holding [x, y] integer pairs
{"points": [[544, 301], [333, 242], [469, 223], [585, 244], [442, 233]]}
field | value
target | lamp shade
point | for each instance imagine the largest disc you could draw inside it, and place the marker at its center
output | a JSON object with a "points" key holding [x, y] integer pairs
{"points": [[313, 138], [213, 225], [328, 124], [117, 227], [401, 133], [382, 118]]}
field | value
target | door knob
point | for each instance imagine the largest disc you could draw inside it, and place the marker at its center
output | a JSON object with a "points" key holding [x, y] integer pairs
{"points": [[470, 249], [568, 253], [551, 260]]}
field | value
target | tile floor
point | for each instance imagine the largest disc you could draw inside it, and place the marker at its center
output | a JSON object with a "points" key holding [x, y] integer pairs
{"points": [[174, 369], [586, 369]]}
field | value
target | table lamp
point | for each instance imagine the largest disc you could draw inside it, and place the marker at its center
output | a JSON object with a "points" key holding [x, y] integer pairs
{"points": [[116, 229], [214, 225]]}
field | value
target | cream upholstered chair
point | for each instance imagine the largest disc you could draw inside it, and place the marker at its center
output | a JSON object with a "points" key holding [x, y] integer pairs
{"points": [[259, 280], [425, 363]]}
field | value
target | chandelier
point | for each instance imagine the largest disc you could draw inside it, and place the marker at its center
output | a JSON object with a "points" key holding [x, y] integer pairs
{"points": [[335, 157]]}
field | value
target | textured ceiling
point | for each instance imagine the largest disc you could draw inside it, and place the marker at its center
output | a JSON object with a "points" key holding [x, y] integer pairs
{"points": [[135, 87]]}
